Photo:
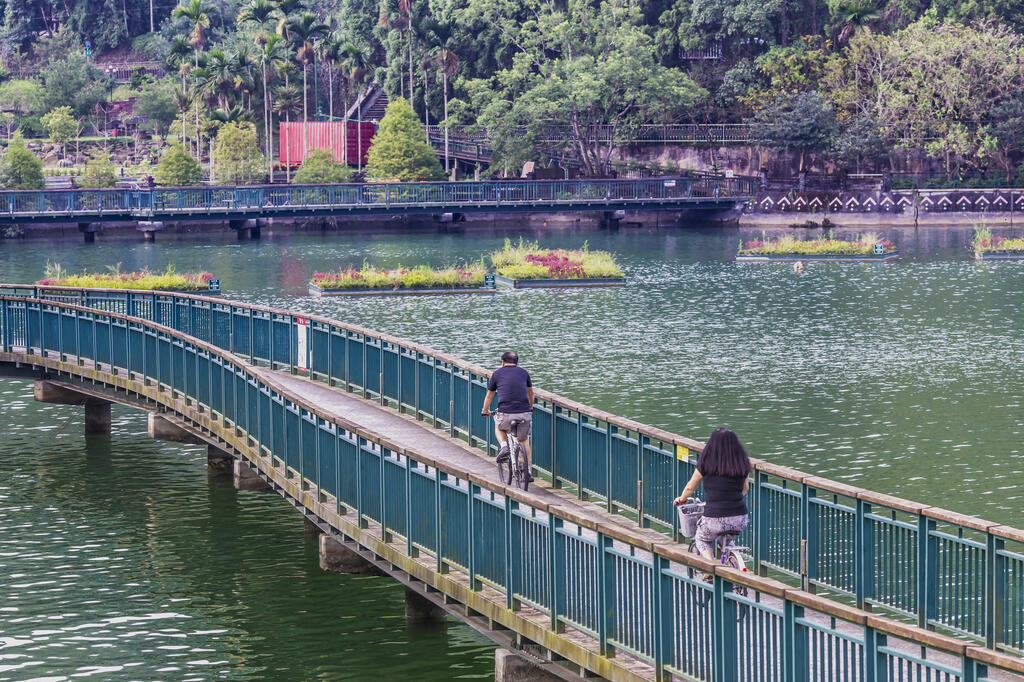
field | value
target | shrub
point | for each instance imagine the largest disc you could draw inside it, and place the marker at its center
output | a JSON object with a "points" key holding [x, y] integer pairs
{"points": [[984, 242], [320, 168], [237, 158], [399, 150], [178, 168], [99, 173], [20, 169]]}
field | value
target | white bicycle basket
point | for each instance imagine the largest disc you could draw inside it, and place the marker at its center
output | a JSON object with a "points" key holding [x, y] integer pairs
{"points": [[689, 515]]}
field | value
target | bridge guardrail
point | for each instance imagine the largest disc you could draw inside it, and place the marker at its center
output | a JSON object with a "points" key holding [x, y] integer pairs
{"points": [[270, 199], [946, 570], [643, 599]]}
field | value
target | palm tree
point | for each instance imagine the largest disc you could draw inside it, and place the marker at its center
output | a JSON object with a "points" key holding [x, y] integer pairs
{"points": [[855, 15], [287, 100], [274, 57], [355, 63], [264, 16], [198, 14], [179, 53], [220, 76], [405, 7], [183, 101], [303, 31], [448, 63]]}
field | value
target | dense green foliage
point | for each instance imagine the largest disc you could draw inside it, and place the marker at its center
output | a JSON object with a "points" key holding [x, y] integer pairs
{"points": [[99, 173], [177, 168], [321, 168], [19, 168], [236, 155], [61, 125], [399, 150], [882, 83]]}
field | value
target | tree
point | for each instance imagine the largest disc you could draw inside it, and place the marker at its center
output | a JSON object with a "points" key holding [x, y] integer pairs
{"points": [[287, 101], [178, 168], [156, 102], [399, 150], [61, 126], [19, 168], [448, 64], [99, 173], [355, 64], [75, 82], [320, 168], [804, 123], [263, 15], [236, 155], [197, 13], [23, 97], [584, 73]]}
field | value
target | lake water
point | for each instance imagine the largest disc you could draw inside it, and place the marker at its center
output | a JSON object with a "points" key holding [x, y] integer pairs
{"points": [[120, 559]]}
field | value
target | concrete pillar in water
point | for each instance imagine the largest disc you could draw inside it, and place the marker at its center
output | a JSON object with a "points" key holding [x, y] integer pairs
{"points": [[246, 478], [97, 419], [149, 228], [511, 667], [219, 462], [419, 609], [337, 558], [97, 410], [161, 427], [88, 231]]}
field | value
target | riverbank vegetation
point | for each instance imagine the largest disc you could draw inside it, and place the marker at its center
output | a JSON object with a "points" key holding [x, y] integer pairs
{"points": [[826, 245], [168, 280], [419, 277], [984, 242], [842, 85], [526, 260]]}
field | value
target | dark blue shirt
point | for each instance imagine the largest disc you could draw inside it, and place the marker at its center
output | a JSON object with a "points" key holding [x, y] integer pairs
{"points": [[724, 496], [510, 384]]}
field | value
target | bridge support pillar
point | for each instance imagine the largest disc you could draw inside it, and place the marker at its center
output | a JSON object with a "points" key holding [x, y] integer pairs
{"points": [[88, 231], [612, 219], [160, 427], [511, 667], [337, 558], [149, 229], [97, 410], [247, 479], [219, 462], [420, 610], [246, 229]]}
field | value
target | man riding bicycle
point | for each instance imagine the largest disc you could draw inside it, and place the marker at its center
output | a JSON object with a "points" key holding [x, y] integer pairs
{"points": [[511, 383]]}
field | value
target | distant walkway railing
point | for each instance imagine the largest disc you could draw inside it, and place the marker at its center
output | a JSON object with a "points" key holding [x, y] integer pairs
{"points": [[369, 197], [642, 603], [945, 570], [648, 133]]}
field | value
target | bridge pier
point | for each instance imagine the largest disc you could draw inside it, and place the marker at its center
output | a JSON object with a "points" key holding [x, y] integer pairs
{"points": [[612, 219], [420, 610], [149, 228], [219, 462], [160, 427], [247, 479], [511, 667], [88, 231], [246, 228], [335, 557], [97, 410]]}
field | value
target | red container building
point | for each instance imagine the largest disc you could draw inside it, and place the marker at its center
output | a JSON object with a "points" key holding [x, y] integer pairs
{"points": [[329, 135]]}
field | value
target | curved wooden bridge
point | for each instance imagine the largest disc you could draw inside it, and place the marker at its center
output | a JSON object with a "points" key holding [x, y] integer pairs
{"points": [[379, 442]]}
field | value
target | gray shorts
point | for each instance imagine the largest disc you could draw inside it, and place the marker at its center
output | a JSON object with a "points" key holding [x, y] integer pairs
{"points": [[504, 423]]}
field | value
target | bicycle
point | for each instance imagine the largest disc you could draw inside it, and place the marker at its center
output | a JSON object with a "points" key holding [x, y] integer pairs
{"points": [[725, 550], [512, 464]]}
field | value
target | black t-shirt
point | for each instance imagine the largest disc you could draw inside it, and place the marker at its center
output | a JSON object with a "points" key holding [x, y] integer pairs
{"points": [[510, 384], [724, 496]]}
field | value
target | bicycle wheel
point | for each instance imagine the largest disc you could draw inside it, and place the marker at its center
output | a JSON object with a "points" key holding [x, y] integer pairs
{"points": [[505, 470], [521, 479], [736, 561]]}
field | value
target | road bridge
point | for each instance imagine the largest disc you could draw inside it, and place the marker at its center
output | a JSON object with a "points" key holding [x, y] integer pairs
{"points": [[378, 441]]}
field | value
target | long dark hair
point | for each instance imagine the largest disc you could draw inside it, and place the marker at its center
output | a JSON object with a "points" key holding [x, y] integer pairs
{"points": [[723, 455]]}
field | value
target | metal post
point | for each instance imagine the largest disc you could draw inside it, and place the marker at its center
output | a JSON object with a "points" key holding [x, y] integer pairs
{"points": [[605, 594]]}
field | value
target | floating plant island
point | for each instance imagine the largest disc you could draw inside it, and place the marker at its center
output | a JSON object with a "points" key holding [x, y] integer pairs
{"points": [[370, 281], [527, 265], [169, 280], [827, 248], [987, 247]]}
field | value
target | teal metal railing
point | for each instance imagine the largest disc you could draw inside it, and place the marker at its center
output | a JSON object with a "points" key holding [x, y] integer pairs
{"points": [[281, 199], [637, 599], [945, 570]]}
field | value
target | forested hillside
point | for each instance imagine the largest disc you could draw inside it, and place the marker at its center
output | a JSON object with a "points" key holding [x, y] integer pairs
{"points": [[864, 85]]}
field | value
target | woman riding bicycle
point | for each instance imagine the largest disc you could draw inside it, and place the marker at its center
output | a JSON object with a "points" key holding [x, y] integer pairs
{"points": [[723, 466]]}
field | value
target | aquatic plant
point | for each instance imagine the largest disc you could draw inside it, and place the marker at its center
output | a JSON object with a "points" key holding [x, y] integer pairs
{"points": [[526, 260], [419, 277], [824, 245], [984, 242], [168, 280]]}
